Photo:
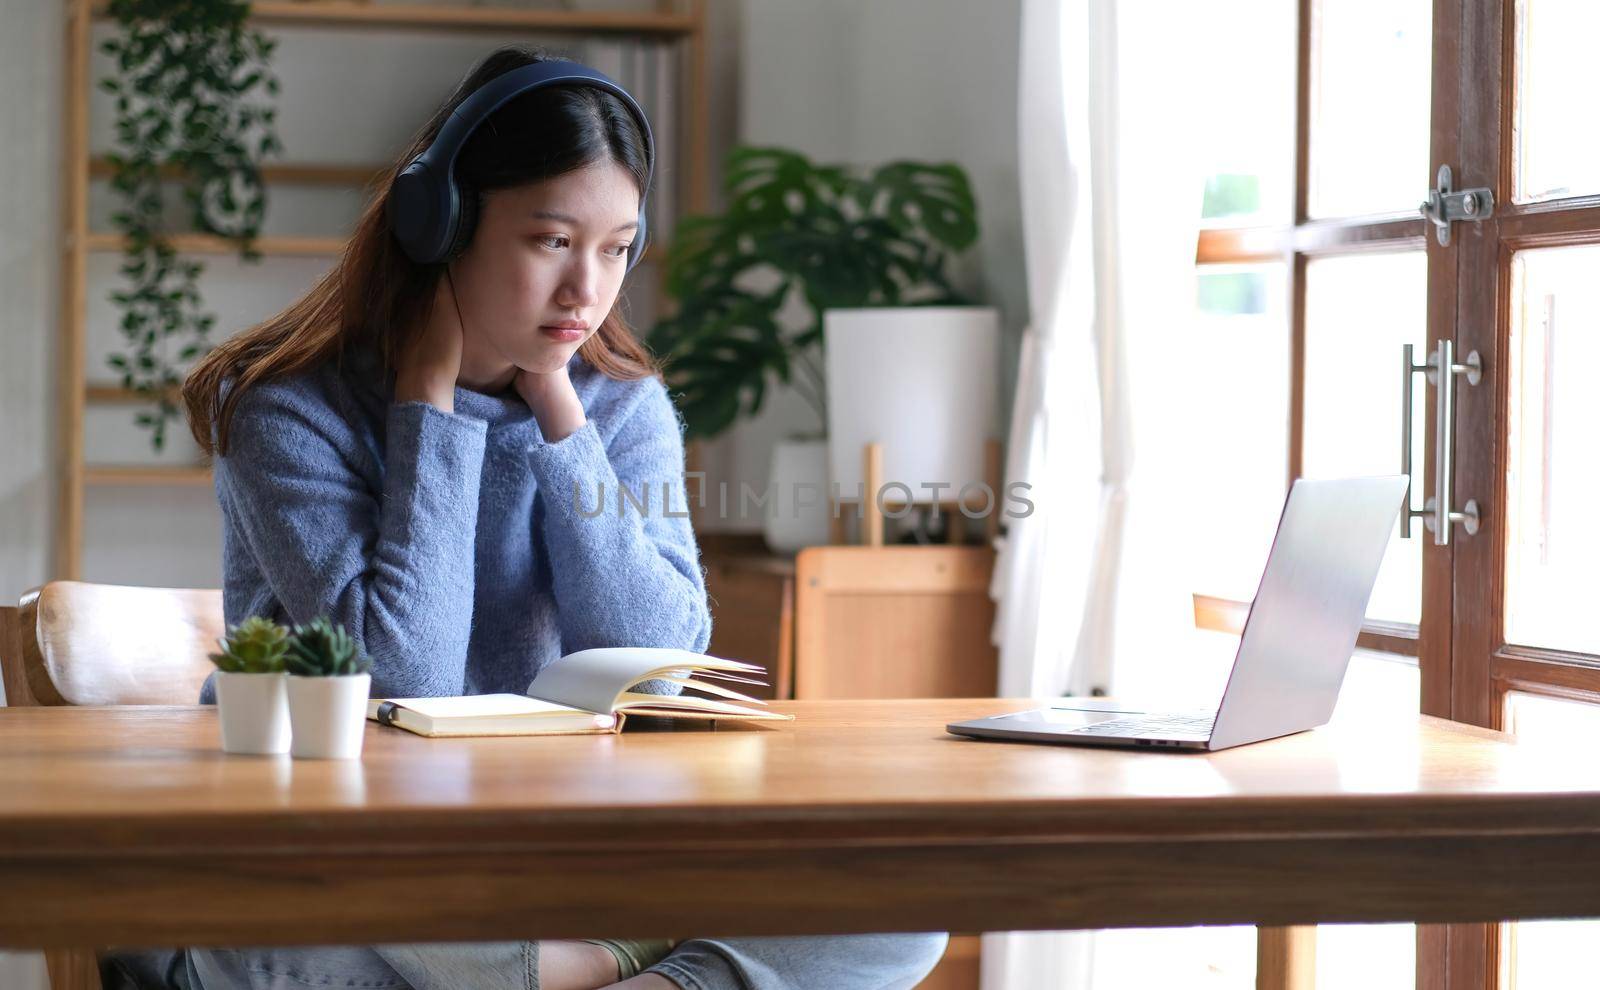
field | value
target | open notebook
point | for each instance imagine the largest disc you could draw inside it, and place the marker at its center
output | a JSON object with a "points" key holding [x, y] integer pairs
{"points": [[587, 692]]}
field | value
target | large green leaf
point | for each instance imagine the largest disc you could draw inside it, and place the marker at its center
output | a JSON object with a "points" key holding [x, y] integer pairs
{"points": [[762, 181], [937, 197], [718, 351]]}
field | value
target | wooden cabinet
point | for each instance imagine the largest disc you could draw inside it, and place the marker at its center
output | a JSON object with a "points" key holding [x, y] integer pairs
{"points": [[894, 622], [856, 622]]}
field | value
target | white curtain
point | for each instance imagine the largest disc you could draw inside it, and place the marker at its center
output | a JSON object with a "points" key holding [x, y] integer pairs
{"points": [[1111, 187]]}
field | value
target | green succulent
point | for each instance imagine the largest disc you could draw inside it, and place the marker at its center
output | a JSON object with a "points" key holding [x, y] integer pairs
{"points": [[323, 649], [254, 646]]}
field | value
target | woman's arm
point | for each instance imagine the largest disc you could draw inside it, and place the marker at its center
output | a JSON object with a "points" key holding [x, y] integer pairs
{"points": [[396, 566], [632, 579]]}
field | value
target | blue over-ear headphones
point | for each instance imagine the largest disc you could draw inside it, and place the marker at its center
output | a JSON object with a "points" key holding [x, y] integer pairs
{"points": [[428, 213]]}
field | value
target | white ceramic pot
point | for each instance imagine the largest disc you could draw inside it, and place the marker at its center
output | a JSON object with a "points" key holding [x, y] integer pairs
{"points": [[329, 715], [797, 517], [254, 712]]}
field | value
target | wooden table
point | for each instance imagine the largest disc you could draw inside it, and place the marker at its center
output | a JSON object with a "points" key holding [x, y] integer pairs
{"points": [[129, 826]]}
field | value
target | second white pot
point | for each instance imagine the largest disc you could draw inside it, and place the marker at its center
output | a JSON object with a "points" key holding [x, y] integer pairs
{"points": [[329, 715], [254, 712]]}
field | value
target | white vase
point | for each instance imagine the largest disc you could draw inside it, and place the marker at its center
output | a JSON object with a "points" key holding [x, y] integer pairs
{"points": [[797, 483], [329, 715], [254, 712]]}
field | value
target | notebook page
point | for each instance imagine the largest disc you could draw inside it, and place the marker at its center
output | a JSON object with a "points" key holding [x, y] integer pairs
{"points": [[719, 676], [711, 688], [594, 679], [653, 704]]}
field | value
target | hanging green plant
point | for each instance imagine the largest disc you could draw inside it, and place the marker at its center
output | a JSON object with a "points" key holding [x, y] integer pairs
{"points": [[187, 72]]}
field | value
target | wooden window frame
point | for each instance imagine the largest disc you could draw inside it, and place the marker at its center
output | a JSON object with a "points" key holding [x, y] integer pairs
{"points": [[1295, 244], [1489, 667], [1482, 74]]}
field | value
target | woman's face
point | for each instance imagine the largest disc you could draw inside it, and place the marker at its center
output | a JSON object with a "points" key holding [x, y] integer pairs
{"points": [[542, 271]]}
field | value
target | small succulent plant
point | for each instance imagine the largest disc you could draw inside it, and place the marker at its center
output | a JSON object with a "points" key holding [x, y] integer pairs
{"points": [[322, 649], [254, 646]]}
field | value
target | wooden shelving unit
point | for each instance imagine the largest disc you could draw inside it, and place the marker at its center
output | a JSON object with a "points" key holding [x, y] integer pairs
{"points": [[447, 17], [277, 174], [206, 244], [109, 394], [684, 20], [154, 474]]}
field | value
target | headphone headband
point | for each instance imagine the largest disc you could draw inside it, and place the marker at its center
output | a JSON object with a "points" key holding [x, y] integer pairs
{"points": [[425, 205]]}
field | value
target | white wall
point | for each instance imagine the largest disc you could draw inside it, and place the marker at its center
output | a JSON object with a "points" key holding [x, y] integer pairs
{"points": [[30, 242], [847, 81], [30, 62]]}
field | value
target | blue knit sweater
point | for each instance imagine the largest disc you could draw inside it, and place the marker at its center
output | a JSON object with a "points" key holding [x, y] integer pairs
{"points": [[462, 550]]}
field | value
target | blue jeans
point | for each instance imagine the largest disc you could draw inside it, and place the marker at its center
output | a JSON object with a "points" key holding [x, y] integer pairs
{"points": [[828, 962]]}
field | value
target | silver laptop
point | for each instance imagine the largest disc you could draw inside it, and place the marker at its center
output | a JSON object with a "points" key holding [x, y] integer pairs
{"points": [[1296, 643]]}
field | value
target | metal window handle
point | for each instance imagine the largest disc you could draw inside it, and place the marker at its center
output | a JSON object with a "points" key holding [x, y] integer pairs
{"points": [[1408, 368], [1436, 513]]}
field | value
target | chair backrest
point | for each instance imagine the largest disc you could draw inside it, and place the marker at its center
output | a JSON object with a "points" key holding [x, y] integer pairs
{"points": [[894, 622], [72, 643]]}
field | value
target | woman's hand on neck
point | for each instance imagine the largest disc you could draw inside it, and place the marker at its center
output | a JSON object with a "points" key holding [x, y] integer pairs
{"points": [[550, 394], [554, 402], [427, 369]]}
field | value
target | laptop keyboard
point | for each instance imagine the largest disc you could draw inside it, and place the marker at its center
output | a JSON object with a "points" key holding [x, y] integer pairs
{"points": [[1152, 725]]}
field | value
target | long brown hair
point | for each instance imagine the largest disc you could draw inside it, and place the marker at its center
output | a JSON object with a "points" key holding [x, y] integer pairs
{"points": [[378, 297]]}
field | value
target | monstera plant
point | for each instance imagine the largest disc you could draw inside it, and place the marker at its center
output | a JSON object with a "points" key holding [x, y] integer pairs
{"points": [[825, 234]]}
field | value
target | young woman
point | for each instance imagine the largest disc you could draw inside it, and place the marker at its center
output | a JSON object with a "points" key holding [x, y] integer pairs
{"points": [[415, 449]]}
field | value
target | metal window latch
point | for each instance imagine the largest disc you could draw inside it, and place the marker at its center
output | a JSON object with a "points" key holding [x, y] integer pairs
{"points": [[1445, 205]]}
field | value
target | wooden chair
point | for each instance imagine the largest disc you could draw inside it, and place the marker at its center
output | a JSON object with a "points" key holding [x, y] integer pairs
{"points": [[70, 643], [101, 644]]}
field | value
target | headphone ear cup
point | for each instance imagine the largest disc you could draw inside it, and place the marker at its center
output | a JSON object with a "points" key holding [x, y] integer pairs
{"points": [[467, 223]]}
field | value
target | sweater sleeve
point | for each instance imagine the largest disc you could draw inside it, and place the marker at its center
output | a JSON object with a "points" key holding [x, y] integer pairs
{"points": [[396, 567], [628, 574]]}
